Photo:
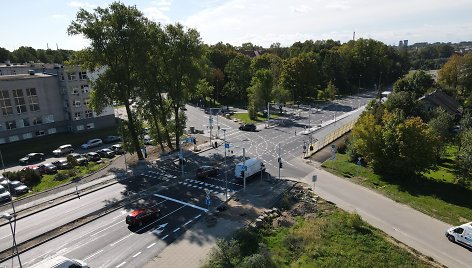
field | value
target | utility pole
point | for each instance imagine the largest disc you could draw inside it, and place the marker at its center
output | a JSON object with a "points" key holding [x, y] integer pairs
{"points": [[280, 161], [210, 119], [181, 157], [245, 168], [226, 173], [268, 114]]}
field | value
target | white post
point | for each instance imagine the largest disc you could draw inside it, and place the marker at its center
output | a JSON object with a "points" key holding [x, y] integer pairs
{"points": [[244, 164], [218, 127], [226, 173], [211, 125], [268, 114], [280, 161], [181, 159]]}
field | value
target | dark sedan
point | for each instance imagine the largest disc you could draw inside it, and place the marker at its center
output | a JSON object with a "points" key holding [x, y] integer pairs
{"points": [[207, 171], [32, 158], [247, 127], [107, 153], [111, 139], [46, 168]]}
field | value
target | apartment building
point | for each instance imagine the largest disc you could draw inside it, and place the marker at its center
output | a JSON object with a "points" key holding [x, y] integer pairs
{"points": [[38, 100]]}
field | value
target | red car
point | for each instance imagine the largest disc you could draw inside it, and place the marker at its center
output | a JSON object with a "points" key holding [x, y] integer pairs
{"points": [[139, 216]]}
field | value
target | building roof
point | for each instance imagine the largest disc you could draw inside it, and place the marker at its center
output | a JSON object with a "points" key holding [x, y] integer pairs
{"points": [[441, 99], [23, 76]]}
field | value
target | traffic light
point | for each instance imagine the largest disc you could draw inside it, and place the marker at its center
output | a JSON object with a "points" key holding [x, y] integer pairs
{"points": [[280, 164], [242, 174]]}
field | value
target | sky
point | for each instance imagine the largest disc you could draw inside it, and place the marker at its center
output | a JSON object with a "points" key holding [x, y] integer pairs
{"points": [[43, 23]]}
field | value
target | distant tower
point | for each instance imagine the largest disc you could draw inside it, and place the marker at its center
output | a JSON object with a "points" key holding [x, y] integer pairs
{"points": [[405, 43], [354, 36], [400, 44]]}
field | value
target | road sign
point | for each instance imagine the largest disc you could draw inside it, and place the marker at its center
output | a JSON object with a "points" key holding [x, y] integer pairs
{"points": [[181, 155], [226, 145], [314, 178], [207, 200]]}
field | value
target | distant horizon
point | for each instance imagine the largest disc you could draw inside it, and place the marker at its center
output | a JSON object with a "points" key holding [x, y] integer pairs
{"points": [[238, 46]]}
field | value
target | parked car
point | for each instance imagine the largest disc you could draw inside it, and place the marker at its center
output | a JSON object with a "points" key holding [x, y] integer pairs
{"points": [[206, 171], [63, 150], [140, 216], [105, 153], [91, 143], [47, 168], [117, 148], [32, 158], [18, 188], [62, 164], [111, 139], [93, 156], [5, 195], [247, 127], [81, 159], [4, 182]]}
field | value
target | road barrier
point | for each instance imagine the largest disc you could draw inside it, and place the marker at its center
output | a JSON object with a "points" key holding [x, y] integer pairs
{"points": [[328, 139]]}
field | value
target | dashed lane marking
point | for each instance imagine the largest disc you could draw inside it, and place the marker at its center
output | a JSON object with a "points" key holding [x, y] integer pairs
{"points": [[165, 237], [121, 264], [150, 246], [94, 254], [136, 255], [177, 229]]}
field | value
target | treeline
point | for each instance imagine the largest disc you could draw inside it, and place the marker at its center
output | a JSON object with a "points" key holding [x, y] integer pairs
{"points": [[29, 54]]}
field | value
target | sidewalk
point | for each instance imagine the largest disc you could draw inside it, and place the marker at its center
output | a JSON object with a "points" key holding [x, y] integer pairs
{"points": [[192, 249]]}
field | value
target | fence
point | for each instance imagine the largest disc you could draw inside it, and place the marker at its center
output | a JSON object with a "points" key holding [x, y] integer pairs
{"points": [[326, 140]]}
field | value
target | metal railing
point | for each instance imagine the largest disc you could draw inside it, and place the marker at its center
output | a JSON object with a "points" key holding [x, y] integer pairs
{"points": [[328, 139]]}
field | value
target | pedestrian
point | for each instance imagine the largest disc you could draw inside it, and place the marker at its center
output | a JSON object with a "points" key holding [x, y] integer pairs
{"points": [[295, 132]]}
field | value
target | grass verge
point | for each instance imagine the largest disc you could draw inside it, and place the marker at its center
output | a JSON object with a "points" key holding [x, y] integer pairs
{"points": [[434, 194], [49, 181], [244, 117]]}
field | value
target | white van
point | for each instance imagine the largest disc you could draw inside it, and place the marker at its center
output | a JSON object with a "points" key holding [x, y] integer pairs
{"points": [[253, 165], [60, 262], [461, 234]]}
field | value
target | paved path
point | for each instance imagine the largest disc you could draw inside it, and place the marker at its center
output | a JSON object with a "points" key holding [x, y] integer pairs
{"points": [[417, 230]]}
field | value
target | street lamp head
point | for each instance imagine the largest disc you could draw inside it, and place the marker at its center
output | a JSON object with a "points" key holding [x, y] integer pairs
{"points": [[7, 216]]}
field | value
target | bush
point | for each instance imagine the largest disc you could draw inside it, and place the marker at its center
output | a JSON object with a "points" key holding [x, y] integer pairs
{"points": [[60, 176], [72, 161], [26, 176], [225, 254], [71, 172], [355, 221]]}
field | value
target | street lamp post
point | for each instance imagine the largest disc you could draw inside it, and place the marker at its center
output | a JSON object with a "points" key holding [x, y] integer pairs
{"points": [[358, 90], [123, 141], [9, 217], [226, 173]]}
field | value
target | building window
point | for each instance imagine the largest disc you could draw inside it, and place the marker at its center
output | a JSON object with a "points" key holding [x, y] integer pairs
{"points": [[28, 135], [80, 127], [52, 130], [83, 75], [85, 88], [19, 101], [26, 122], [48, 118], [33, 99], [90, 125], [72, 76], [1, 127], [86, 102], [40, 133], [37, 121], [10, 124], [5, 102], [77, 116], [76, 103], [88, 114], [14, 138], [2, 140], [62, 76], [75, 91]]}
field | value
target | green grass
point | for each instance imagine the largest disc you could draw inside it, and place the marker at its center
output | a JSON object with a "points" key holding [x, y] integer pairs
{"points": [[335, 239], [434, 193], [244, 117], [47, 181], [13, 151]]}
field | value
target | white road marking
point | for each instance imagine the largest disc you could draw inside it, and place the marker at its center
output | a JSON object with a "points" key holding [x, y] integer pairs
{"points": [[136, 255], [121, 264], [181, 202], [164, 237], [113, 244], [150, 246], [176, 230], [198, 216], [104, 229], [187, 222], [91, 256]]}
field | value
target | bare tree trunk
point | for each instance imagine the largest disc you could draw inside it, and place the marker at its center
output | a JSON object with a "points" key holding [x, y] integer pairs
{"points": [[132, 130]]}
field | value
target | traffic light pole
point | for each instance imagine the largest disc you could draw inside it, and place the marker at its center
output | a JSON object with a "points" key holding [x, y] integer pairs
{"points": [[226, 173], [244, 164], [280, 161]]}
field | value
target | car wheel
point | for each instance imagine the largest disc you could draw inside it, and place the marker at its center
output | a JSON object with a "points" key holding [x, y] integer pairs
{"points": [[451, 238]]}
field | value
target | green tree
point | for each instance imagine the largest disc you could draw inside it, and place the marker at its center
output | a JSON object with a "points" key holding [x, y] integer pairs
{"points": [[4, 54], [418, 82], [261, 87], [330, 91], [116, 35], [441, 123], [457, 73], [397, 147], [403, 101], [301, 75], [464, 157], [238, 73]]}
